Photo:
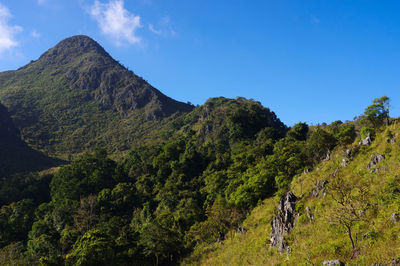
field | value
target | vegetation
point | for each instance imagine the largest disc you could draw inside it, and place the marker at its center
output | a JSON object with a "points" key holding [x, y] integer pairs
{"points": [[76, 97], [355, 222], [198, 186]]}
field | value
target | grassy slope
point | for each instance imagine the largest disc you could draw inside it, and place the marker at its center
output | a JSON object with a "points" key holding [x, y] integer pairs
{"points": [[314, 241]]}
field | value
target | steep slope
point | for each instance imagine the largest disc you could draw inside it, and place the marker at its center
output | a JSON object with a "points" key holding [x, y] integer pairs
{"points": [[363, 193], [75, 97], [15, 155]]}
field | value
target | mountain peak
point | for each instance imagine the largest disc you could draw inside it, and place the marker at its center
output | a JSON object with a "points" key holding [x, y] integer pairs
{"points": [[78, 83], [71, 48]]}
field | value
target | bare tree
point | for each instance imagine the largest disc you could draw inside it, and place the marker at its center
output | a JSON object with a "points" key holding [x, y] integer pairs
{"points": [[351, 204], [85, 217]]}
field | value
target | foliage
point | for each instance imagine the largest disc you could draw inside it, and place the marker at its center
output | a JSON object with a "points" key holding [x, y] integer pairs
{"points": [[377, 113]]}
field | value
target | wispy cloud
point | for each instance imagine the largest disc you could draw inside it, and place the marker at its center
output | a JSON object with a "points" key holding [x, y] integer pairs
{"points": [[164, 27], [7, 31], [116, 22], [153, 30], [41, 2], [35, 34]]}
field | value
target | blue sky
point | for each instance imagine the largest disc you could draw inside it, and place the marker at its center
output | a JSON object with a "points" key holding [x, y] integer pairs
{"points": [[311, 61]]}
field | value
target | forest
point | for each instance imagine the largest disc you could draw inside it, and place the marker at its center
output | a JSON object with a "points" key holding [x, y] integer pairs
{"points": [[159, 201]]}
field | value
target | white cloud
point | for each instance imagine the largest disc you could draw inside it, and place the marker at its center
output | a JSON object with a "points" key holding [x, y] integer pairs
{"points": [[164, 27], [7, 32], [35, 34], [116, 22], [153, 30]]}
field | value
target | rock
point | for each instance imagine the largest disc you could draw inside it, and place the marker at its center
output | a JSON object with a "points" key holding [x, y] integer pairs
{"points": [[344, 162], [375, 160], [320, 188], [307, 170], [392, 138], [309, 214], [283, 222], [349, 155], [333, 263], [394, 218], [366, 141], [221, 237], [240, 230], [328, 156]]}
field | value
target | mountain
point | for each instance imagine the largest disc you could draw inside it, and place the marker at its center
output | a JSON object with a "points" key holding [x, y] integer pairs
{"points": [[15, 155], [76, 97]]}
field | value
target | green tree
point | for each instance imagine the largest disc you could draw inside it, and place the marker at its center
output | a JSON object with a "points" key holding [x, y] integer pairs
{"points": [[377, 113]]}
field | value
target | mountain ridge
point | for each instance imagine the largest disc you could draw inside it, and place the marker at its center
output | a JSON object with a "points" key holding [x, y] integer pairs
{"points": [[77, 83]]}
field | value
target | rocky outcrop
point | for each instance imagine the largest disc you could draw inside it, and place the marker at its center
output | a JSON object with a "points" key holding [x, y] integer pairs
{"points": [[309, 213], [333, 263], [283, 222], [328, 156], [394, 218], [366, 141], [319, 189], [392, 138], [350, 153], [375, 160]]}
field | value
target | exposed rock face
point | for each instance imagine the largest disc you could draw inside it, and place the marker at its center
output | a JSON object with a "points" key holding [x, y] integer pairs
{"points": [[375, 160], [349, 155], [366, 141], [392, 138], [320, 188], [333, 263], [240, 230], [394, 218], [283, 222], [328, 156], [309, 213]]}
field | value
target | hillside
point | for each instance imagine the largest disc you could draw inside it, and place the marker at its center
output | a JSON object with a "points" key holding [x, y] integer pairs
{"points": [[15, 155], [364, 194], [144, 208], [76, 97]]}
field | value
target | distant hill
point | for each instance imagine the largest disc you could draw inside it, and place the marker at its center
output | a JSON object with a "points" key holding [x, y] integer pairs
{"points": [[15, 155], [75, 97]]}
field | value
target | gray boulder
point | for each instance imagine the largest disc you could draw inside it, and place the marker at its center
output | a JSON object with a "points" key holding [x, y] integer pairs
{"points": [[392, 138], [366, 141], [333, 263], [283, 222], [375, 160], [394, 218], [319, 189], [328, 156]]}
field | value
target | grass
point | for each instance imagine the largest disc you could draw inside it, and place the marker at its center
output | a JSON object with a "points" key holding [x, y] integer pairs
{"points": [[313, 241]]}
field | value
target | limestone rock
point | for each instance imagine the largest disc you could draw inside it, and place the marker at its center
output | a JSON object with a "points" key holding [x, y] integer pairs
{"points": [[392, 138], [394, 218], [309, 213], [333, 263], [320, 188], [283, 222], [375, 160], [328, 156], [366, 141]]}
